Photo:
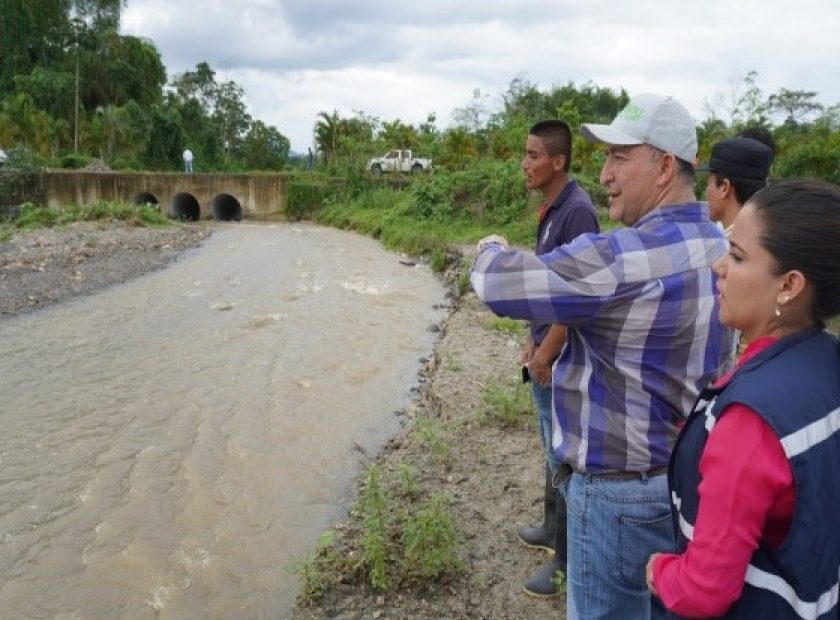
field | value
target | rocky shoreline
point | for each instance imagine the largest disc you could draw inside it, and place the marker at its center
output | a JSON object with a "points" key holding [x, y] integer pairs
{"points": [[490, 470]]}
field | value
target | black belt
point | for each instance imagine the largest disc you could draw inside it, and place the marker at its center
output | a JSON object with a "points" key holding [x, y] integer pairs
{"points": [[625, 475]]}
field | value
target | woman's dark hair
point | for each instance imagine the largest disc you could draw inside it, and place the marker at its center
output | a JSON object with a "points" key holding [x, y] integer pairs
{"points": [[801, 231]]}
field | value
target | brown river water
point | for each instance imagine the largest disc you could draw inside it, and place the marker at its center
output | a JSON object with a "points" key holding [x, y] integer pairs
{"points": [[170, 445]]}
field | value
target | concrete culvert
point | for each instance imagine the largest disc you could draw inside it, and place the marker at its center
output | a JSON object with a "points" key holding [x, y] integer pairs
{"points": [[185, 207], [145, 198], [227, 208]]}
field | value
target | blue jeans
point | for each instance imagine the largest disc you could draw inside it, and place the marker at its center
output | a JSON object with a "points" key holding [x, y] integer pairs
{"points": [[542, 403], [613, 528]]}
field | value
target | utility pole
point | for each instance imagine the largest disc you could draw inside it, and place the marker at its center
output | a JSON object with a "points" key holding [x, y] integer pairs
{"points": [[76, 105], [76, 26]]}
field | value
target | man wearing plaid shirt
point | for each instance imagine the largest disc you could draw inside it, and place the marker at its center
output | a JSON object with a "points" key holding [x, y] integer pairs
{"points": [[643, 338]]}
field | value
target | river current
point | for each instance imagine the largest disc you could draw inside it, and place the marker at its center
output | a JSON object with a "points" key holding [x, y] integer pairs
{"points": [[171, 445]]}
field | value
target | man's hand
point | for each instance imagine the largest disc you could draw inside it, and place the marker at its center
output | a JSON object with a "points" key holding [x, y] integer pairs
{"points": [[527, 351], [492, 240], [540, 369]]}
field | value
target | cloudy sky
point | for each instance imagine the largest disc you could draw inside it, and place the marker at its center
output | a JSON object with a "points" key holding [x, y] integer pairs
{"points": [[400, 59]]}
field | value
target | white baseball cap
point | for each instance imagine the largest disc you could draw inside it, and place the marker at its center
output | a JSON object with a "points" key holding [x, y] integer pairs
{"points": [[662, 122]]}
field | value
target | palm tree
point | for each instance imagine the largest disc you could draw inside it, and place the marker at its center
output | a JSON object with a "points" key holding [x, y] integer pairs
{"points": [[111, 124], [458, 147], [327, 131]]}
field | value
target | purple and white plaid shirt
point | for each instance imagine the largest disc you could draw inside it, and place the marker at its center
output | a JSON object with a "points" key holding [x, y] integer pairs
{"points": [[643, 336]]}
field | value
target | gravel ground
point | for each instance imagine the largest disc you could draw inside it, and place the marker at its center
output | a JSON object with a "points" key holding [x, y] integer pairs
{"points": [[493, 473], [49, 265]]}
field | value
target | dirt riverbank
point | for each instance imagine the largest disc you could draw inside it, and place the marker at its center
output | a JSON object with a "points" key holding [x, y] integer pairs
{"points": [[491, 471]]}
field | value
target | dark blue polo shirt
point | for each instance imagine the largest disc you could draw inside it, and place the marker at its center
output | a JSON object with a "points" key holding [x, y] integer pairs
{"points": [[569, 216]]}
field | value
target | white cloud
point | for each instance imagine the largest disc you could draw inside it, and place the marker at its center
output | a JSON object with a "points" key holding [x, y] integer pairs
{"points": [[295, 58]]}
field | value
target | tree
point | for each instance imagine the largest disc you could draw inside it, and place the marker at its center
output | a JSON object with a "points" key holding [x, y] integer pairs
{"points": [[396, 134], [199, 85], [50, 89], [231, 116], [265, 148], [458, 148], [109, 127], [101, 14], [794, 105], [747, 105], [30, 36], [327, 129], [166, 139]]}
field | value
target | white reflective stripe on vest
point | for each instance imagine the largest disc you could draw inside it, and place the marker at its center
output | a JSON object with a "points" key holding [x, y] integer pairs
{"points": [[806, 610], [809, 436], [685, 527], [710, 419]]}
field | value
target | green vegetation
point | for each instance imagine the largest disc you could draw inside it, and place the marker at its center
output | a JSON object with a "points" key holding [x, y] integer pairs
{"points": [[503, 324], [409, 486], [128, 115], [430, 435], [508, 405], [477, 187], [74, 89], [30, 216], [404, 538], [321, 570], [431, 541], [376, 518]]}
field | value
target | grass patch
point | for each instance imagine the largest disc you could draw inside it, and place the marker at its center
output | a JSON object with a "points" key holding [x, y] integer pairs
{"points": [[321, 570], [509, 405], [512, 327], [430, 541], [429, 434], [453, 364], [420, 547], [409, 486], [31, 217]]}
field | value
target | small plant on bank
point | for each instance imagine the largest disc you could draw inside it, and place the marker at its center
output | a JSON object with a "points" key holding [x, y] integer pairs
{"points": [[430, 435], [513, 327], [437, 260], [321, 570], [559, 581], [462, 280], [374, 506], [508, 404], [431, 542], [453, 364], [408, 481]]}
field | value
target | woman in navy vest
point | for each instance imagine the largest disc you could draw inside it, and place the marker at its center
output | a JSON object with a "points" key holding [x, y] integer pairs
{"points": [[755, 473]]}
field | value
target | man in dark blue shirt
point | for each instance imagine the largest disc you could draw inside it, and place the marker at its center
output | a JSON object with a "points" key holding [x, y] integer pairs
{"points": [[566, 213]]}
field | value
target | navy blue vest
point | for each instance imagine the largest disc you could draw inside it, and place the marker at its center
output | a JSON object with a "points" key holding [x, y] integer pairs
{"points": [[794, 384]]}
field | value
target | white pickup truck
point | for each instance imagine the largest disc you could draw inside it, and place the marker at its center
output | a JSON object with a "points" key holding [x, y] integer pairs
{"points": [[398, 161]]}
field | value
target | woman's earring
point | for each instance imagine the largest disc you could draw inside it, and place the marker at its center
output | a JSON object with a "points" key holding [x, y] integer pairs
{"points": [[777, 311]]}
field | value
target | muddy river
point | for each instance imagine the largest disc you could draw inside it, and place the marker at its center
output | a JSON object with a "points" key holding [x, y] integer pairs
{"points": [[169, 446]]}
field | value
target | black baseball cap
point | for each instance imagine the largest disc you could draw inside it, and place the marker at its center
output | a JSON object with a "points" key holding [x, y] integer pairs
{"points": [[740, 158]]}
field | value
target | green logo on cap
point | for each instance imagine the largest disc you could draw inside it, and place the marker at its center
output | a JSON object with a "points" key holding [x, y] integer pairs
{"points": [[632, 112]]}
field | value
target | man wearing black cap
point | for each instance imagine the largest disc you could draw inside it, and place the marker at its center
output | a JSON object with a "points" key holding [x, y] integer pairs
{"points": [[738, 168]]}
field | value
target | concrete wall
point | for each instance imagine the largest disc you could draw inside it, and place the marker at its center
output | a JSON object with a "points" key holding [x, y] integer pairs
{"points": [[256, 193]]}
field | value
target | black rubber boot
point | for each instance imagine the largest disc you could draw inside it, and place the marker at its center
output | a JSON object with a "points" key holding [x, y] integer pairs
{"points": [[542, 536], [543, 583]]}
